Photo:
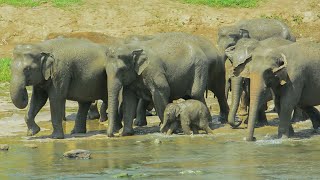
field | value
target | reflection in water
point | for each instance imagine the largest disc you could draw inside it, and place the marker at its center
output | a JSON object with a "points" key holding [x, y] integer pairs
{"points": [[223, 155]]}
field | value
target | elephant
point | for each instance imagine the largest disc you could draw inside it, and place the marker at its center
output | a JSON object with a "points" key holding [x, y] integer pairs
{"points": [[240, 55], [167, 67], [59, 69], [189, 114], [292, 72], [107, 40], [259, 29]]}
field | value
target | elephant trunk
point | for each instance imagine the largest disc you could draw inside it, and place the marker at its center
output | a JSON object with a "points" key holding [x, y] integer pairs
{"points": [[236, 86], [114, 87], [256, 96], [18, 91]]}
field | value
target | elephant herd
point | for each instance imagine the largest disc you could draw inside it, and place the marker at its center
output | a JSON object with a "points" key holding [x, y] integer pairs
{"points": [[135, 72]]}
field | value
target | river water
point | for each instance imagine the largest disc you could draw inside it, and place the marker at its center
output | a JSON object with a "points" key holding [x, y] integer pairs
{"points": [[151, 155]]}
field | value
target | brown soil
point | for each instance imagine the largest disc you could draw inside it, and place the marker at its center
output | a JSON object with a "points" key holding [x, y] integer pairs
{"points": [[123, 17]]}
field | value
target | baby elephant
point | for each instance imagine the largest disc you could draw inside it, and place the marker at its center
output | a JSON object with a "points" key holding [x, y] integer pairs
{"points": [[192, 114]]}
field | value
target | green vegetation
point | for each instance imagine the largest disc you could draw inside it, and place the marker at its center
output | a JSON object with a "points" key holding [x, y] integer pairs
{"points": [[225, 3], [34, 3], [5, 72]]}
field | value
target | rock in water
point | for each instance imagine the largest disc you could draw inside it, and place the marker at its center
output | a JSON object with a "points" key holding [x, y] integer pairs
{"points": [[78, 154], [4, 147]]}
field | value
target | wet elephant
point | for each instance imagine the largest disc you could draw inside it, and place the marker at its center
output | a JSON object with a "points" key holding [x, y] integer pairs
{"points": [[60, 69], [292, 72], [168, 67], [258, 29], [107, 40], [191, 115]]}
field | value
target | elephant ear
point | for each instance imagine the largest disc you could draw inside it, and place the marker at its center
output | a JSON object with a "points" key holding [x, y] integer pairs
{"points": [[47, 62], [281, 70], [141, 61], [230, 52]]}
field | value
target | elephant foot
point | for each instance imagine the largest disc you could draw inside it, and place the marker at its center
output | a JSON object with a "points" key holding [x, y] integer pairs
{"points": [[110, 134], [57, 135], [93, 115], [127, 132], [33, 130], [140, 122], [222, 119], [285, 134], [250, 139], [78, 130]]}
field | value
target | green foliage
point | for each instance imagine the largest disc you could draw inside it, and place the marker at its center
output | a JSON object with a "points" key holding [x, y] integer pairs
{"points": [[225, 3], [34, 3], [5, 72]]}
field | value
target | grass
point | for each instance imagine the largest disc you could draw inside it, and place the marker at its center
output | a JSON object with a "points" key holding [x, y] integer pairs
{"points": [[34, 3], [5, 73], [226, 3]]}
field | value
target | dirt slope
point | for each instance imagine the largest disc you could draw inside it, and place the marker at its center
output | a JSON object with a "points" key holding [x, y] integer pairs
{"points": [[126, 17]]}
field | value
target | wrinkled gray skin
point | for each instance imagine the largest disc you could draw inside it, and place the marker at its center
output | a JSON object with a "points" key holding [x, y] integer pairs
{"points": [[167, 67], [59, 69], [292, 71], [107, 41], [191, 114], [240, 55], [259, 29]]}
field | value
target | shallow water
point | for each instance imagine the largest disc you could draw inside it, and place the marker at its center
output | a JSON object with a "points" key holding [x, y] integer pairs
{"points": [[151, 155]]}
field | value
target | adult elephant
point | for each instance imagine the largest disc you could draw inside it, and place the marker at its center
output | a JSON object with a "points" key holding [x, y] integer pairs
{"points": [[167, 67], [59, 69], [107, 40], [240, 55], [292, 73], [258, 29]]}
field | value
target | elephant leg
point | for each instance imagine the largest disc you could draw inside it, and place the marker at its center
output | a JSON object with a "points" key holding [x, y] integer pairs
{"points": [[262, 118], [172, 128], [314, 115], [228, 87], [299, 115], [217, 85], [93, 111], [103, 112], [186, 128], [141, 119], [38, 100], [194, 129], [80, 125], [130, 102], [160, 94], [243, 104], [57, 107]]}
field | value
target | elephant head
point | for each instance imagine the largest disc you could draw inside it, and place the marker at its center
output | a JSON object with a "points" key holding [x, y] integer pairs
{"points": [[30, 66], [171, 114], [229, 36], [124, 64]]}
